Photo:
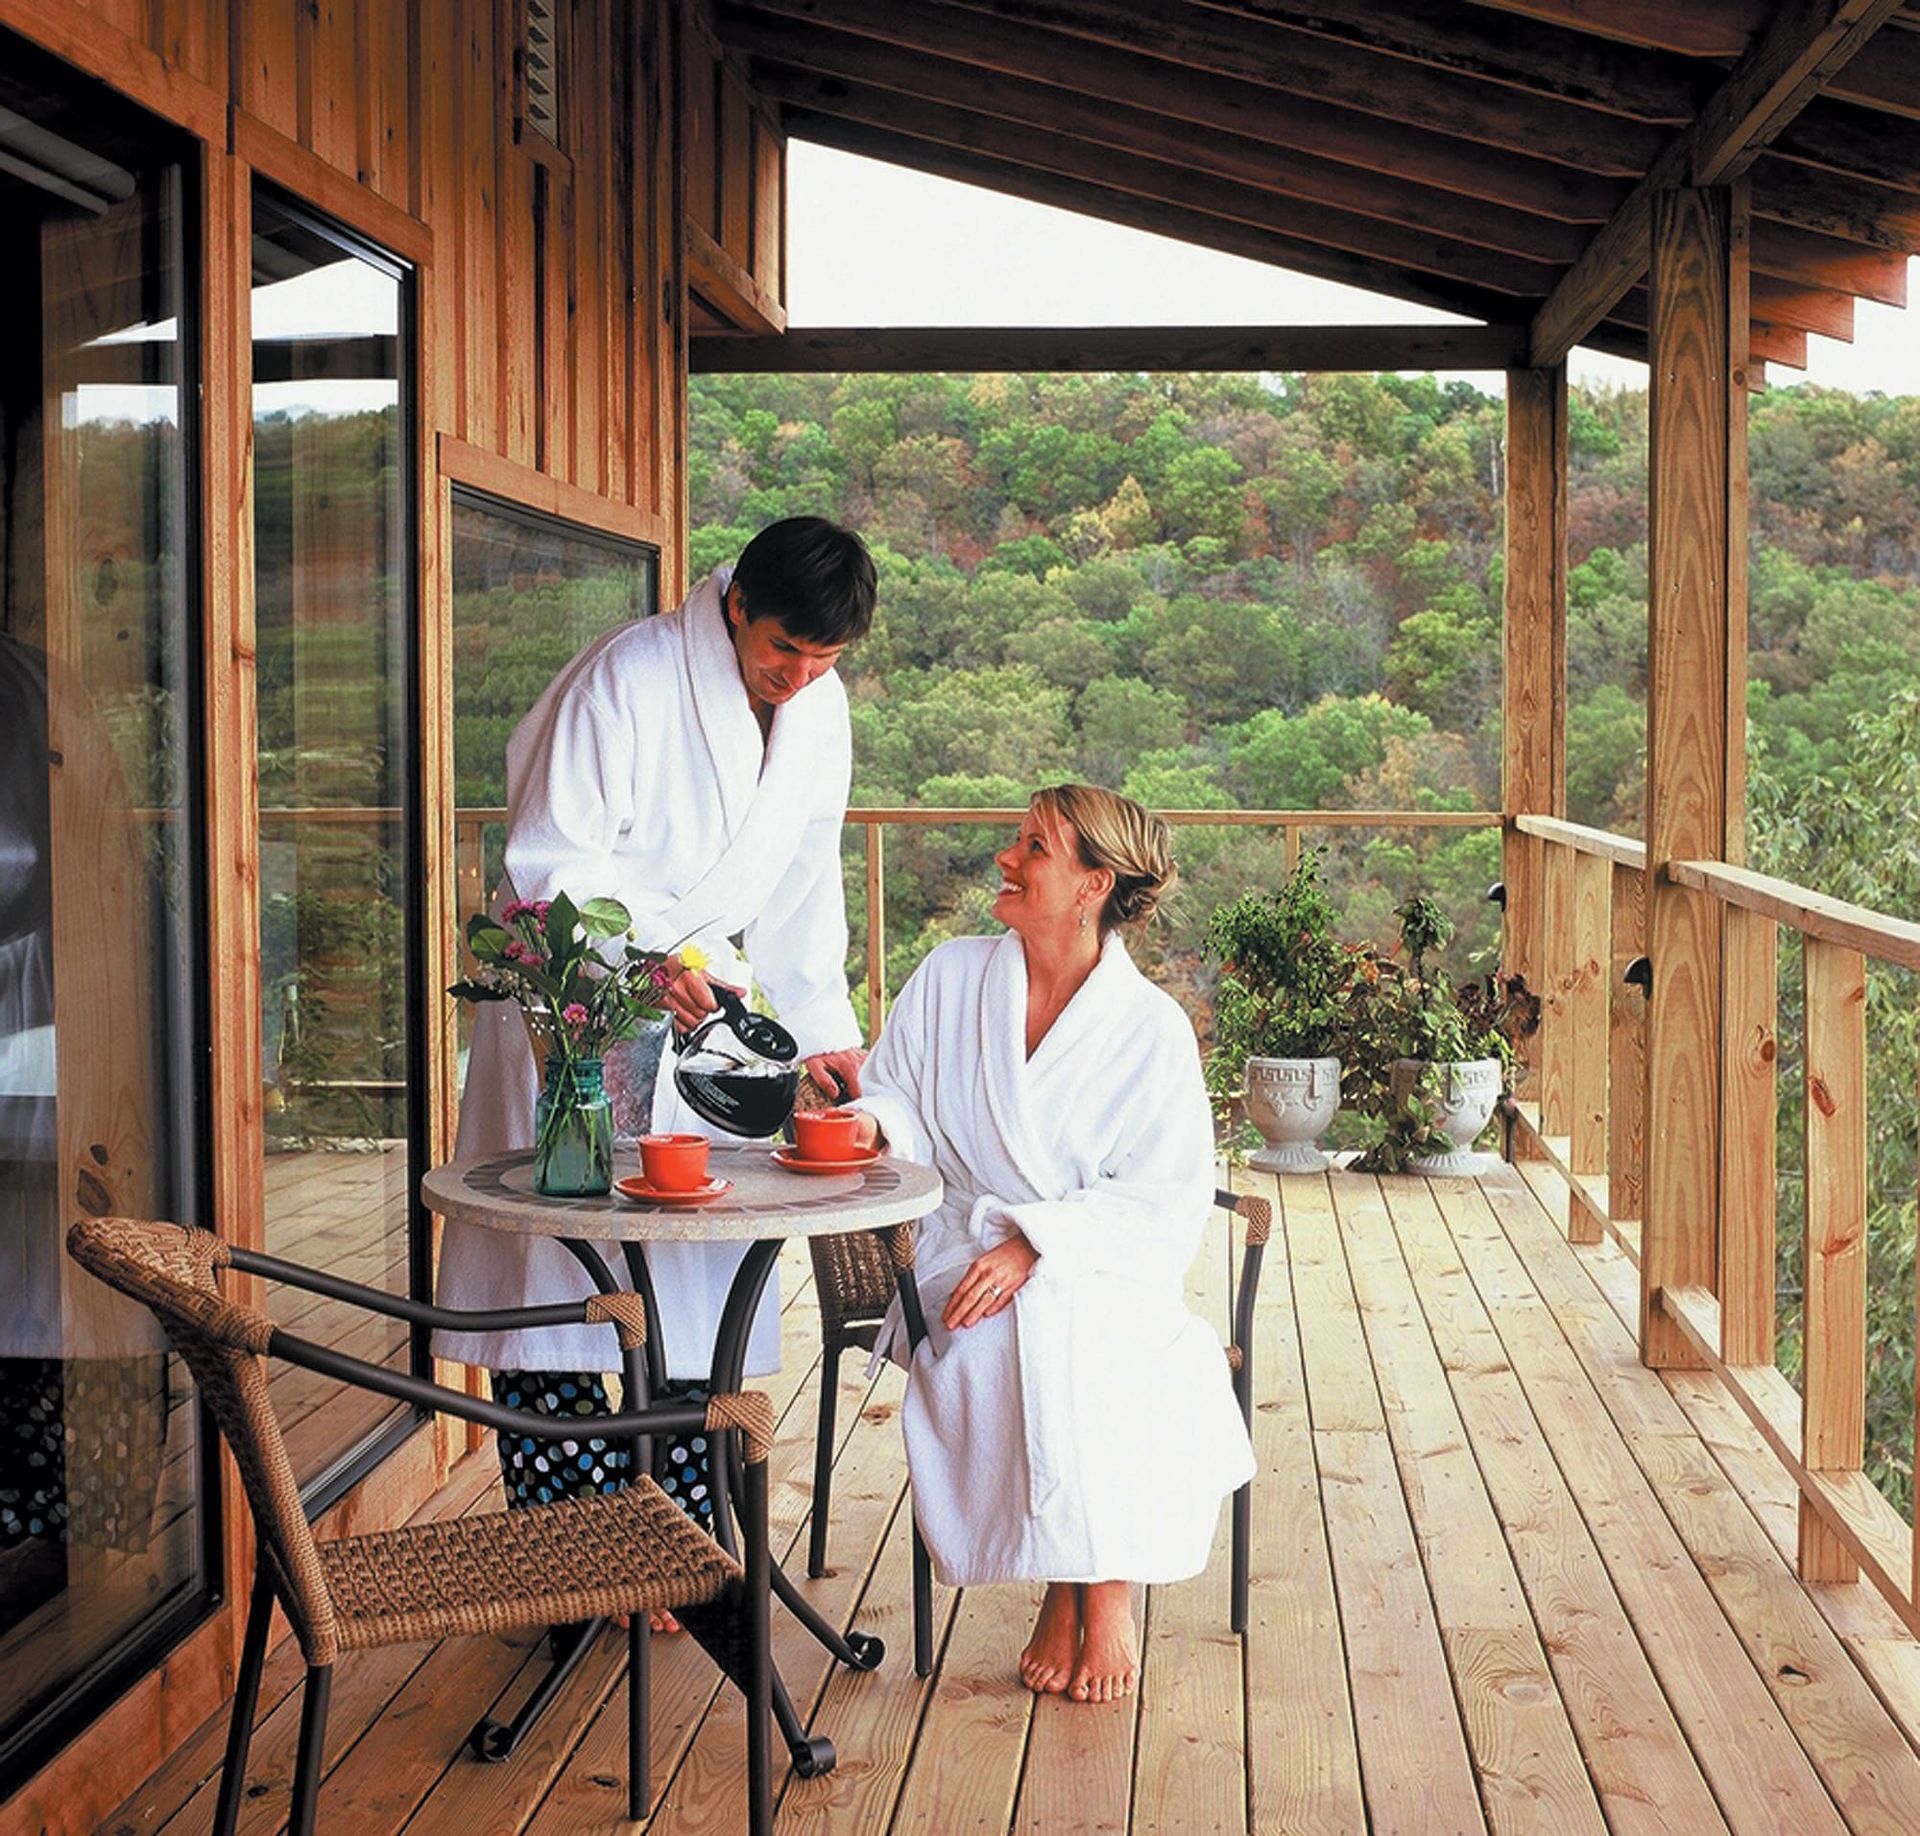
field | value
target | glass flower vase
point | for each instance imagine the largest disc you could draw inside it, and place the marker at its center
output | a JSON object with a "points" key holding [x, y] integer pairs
{"points": [[573, 1131]]}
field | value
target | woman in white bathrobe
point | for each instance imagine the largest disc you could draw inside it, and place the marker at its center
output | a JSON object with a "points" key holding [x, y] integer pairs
{"points": [[1068, 1419]]}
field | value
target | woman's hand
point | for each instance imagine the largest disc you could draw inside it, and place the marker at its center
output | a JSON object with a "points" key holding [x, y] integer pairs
{"points": [[867, 1137], [990, 1283]]}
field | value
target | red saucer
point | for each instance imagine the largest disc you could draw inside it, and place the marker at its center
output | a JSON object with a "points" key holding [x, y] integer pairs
{"points": [[790, 1159], [635, 1186]]}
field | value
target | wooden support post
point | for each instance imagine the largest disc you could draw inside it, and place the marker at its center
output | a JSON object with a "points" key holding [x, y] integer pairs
{"points": [[1588, 1000], [1833, 1416], [1533, 766], [1627, 1052], [1695, 717], [1750, 947]]}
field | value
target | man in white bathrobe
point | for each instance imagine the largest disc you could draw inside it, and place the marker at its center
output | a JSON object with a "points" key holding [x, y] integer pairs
{"points": [[1068, 1419], [696, 767]]}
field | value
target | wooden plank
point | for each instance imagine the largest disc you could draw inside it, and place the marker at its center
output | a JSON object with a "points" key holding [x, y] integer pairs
{"points": [[1079, 1771], [1590, 999], [1809, 260], [1769, 344], [876, 844], [1303, 1759], [1413, 1756], [1835, 1367], [330, 75], [729, 286], [1189, 1760], [1703, 28], [766, 255], [1796, 307], [1780, 72], [1639, 1760], [1852, 1510], [498, 476], [1623, 850], [338, 194], [1690, 691], [1530, 1768], [1749, 995], [1852, 209], [1627, 1056], [267, 85], [1594, 1402], [1834, 921], [474, 197], [980, 350]]}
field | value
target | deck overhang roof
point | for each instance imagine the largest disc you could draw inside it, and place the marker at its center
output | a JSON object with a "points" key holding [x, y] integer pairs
{"points": [[1493, 158]]}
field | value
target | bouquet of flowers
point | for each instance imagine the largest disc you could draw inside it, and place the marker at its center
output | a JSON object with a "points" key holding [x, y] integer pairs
{"points": [[576, 999]]}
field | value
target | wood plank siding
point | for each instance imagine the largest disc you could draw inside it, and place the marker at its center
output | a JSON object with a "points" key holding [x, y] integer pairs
{"points": [[551, 316]]}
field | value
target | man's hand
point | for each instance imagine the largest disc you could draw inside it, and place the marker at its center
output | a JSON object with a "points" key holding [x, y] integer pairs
{"points": [[837, 1072], [990, 1283], [689, 996]]}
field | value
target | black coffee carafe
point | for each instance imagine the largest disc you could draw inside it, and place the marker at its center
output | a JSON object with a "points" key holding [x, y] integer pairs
{"points": [[738, 1070]]}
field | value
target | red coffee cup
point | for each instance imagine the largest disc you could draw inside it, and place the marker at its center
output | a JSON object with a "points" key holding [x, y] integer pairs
{"points": [[826, 1134], [675, 1163]]}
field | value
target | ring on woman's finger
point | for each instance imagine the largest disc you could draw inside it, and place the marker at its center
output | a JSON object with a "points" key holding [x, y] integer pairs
{"points": [[993, 1288]]}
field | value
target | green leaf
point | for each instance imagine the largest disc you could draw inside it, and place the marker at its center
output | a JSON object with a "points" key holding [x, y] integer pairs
{"points": [[562, 918], [485, 938], [604, 917]]}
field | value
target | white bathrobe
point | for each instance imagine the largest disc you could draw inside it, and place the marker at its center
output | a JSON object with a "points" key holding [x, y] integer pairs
{"points": [[1088, 1432], [640, 775]]}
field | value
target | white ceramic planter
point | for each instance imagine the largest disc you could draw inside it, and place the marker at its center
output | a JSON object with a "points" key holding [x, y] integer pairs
{"points": [[1291, 1101], [1463, 1099]]}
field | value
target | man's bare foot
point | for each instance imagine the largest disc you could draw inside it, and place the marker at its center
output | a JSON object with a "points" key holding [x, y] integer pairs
{"points": [[1047, 1663], [1109, 1663]]}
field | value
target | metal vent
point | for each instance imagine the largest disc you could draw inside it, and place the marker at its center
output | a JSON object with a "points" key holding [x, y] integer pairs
{"points": [[541, 71]]}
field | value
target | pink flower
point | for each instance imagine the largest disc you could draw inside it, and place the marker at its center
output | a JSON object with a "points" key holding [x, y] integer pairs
{"points": [[518, 952], [541, 907], [574, 1014], [517, 909], [661, 976]]}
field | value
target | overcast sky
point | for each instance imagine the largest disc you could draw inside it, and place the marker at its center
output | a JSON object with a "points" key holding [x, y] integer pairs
{"points": [[876, 245]]}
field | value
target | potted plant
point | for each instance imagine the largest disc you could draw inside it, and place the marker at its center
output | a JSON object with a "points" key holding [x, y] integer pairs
{"points": [[1284, 986], [1430, 1058]]}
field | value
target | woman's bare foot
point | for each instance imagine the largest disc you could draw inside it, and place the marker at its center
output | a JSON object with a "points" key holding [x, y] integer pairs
{"points": [[664, 1621], [1109, 1663], [1047, 1663]]}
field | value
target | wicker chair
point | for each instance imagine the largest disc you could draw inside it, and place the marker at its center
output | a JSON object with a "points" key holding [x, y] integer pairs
{"points": [[853, 1278], [629, 1552]]}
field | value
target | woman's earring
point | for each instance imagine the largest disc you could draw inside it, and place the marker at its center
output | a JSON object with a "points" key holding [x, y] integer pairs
{"points": [[1083, 917]]}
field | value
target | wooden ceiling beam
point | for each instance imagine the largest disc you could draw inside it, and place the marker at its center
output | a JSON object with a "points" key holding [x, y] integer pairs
{"points": [[1693, 28], [1807, 198], [1774, 344], [1217, 105], [978, 350], [1181, 188], [1825, 261], [1853, 143], [1298, 63], [1797, 50], [1808, 309], [1886, 75], [782, 46], [1543, 60]]}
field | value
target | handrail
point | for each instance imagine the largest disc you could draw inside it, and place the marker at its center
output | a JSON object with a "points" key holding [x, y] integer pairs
{"points": [[1622, 849], [1835, 921]]}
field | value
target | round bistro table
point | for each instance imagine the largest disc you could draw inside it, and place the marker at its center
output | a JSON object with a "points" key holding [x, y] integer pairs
{"points": [[767, 1205]]}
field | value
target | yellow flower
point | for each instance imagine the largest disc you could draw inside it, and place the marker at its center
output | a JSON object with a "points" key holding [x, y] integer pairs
{"points": [[693, 957]]}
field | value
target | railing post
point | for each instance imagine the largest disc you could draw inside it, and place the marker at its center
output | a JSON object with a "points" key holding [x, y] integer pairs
{"points": [[876, 931], [1589, 999], [1627, 1053], [1695, 722], [1750, 950], [1533, 763], [1555, 963], [1834, 1379], [470, 870]]}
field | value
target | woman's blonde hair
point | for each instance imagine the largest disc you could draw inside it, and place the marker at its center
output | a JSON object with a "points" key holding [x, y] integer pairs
{"points": [[1116, 833]]}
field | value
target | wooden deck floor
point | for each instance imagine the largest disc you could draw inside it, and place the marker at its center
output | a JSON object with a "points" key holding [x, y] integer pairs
{"points": [[1505, 1579]]}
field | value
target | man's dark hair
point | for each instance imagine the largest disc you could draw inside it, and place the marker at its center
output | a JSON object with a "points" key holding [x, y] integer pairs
{"points": [[816, 578]]}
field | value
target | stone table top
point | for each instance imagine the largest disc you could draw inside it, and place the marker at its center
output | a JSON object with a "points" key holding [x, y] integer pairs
{"points": [[767, 1200]]}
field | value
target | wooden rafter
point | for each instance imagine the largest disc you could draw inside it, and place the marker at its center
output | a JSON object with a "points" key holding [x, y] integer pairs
{"points": [[800, 66], [1854, 143], [1299, 63], [1162, 219], [1847, 208], [972, 350], [1784, 68], [1107, 75], [1200, 194], [1697, 28]]}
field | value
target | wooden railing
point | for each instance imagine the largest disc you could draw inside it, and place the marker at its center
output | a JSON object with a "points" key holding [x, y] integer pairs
{"points": [[470, 853], [1592, 888]]}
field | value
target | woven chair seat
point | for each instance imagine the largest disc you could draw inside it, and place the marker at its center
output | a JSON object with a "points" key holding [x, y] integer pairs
{"points": [[854, 1280], [623, 1552]]}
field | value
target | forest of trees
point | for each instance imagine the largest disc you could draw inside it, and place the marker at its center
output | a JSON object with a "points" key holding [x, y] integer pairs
{"points": [[1285, 592]]}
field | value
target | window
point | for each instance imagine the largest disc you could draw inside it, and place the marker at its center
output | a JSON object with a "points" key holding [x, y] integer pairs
{"points": [[339, 805], [528, 592], [104, 1482]]}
